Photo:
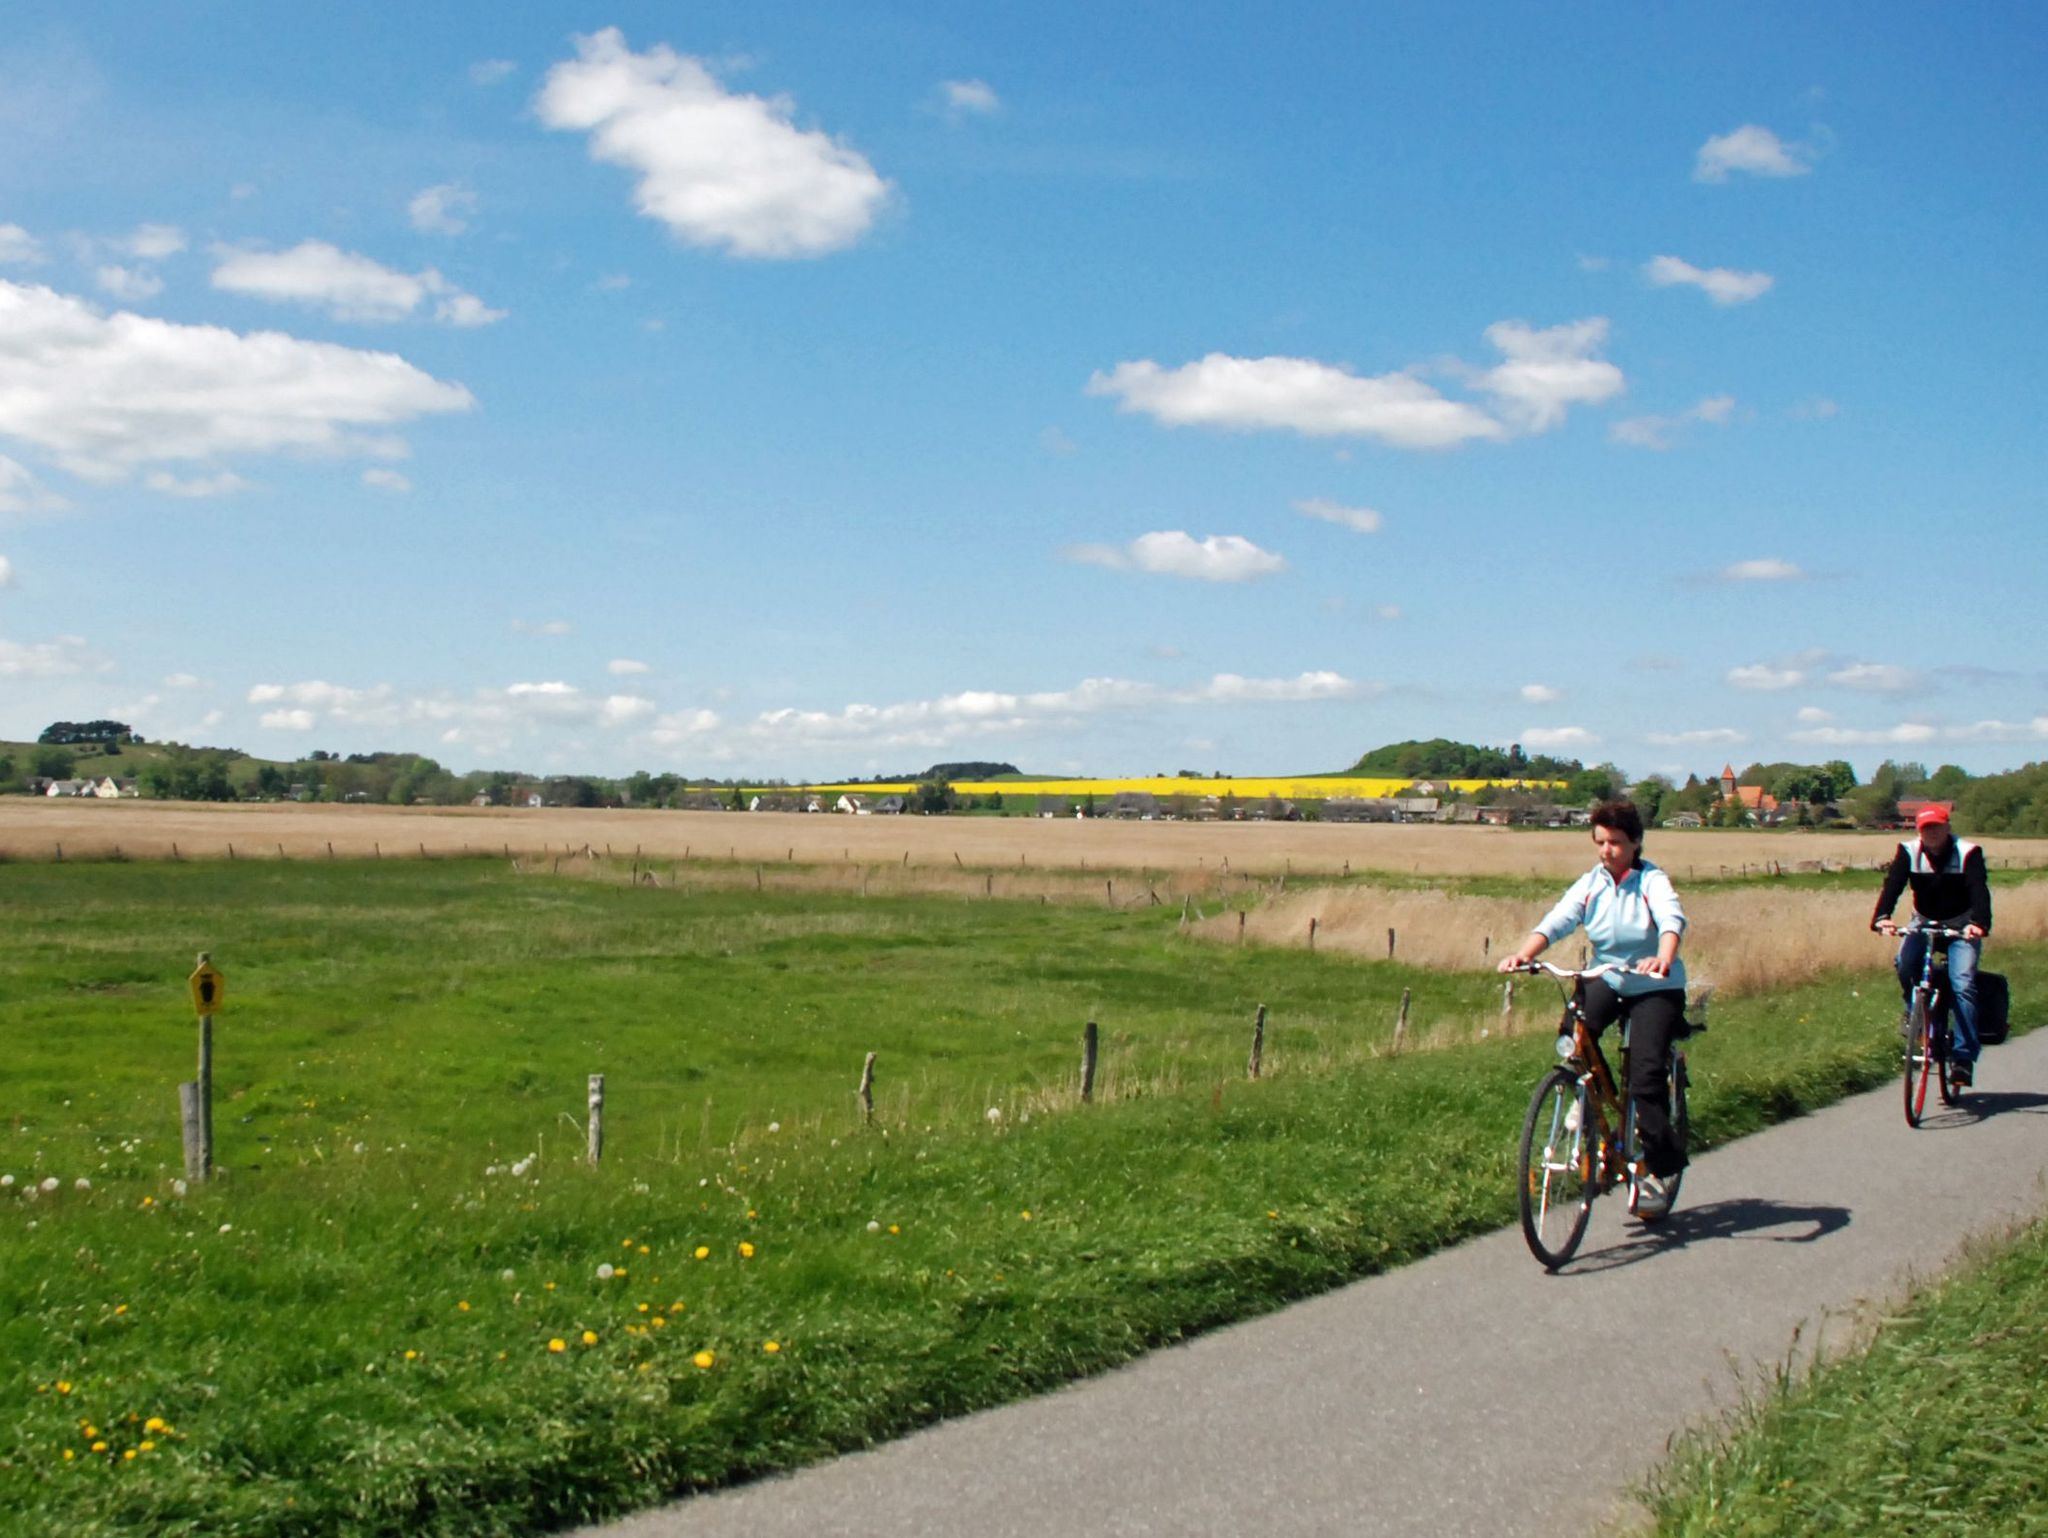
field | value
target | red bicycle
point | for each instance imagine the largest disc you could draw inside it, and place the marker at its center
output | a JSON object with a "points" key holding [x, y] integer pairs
{"points": [[1925, 1026]]}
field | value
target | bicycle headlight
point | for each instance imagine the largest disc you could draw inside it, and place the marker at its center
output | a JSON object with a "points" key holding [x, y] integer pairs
{"points": [[1564, 1045]]}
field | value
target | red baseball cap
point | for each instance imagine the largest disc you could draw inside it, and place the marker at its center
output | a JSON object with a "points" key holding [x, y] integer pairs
{"points": [[1929, 814]]}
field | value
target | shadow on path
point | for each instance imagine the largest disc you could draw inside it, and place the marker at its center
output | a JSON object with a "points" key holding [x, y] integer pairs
{"points": [[1980, 1105], [1748, 1217]]}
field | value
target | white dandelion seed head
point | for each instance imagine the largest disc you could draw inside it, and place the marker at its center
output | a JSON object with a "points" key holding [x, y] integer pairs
{"points": [[81, 1184], [178, 1186], [775, 1126], [505, 1275], [605, 1272], [5, 1181], [873, 1226], [49, 1182], [227, 1228], [994, 1114]]}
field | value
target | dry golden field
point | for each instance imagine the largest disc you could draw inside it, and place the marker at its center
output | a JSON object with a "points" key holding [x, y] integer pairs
{"points": [[36, 829]]}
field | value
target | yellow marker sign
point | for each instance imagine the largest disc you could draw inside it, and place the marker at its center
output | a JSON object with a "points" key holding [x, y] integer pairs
{"points": [[209, 988]]}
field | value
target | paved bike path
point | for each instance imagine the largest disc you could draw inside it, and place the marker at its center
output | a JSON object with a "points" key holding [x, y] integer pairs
{"points": [[1452, 1397]]}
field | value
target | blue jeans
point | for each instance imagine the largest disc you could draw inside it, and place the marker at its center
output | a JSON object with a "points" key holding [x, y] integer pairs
{"points": [[1962, 987]]}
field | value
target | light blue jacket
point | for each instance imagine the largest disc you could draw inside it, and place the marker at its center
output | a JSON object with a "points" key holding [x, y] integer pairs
{"points": [[1624, 920]]}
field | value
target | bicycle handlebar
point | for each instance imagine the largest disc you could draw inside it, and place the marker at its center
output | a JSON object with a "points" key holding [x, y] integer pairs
{"points": [[1568, 973]]}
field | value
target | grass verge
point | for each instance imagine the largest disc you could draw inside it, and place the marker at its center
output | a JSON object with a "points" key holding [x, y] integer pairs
{"points": [[1941, 1426]]}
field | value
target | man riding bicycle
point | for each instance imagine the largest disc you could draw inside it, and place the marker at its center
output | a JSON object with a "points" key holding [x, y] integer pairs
{"points": [[1949, 887], [1631, 915]]}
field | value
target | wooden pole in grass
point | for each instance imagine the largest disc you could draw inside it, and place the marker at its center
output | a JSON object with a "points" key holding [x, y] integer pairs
{"points": [[1312, 936], [1390, 944], [867, 1091], [1401, 1023], [596, 1118], [1258, 1057], [1090, 1039], [1240, 926], [209, 991]]}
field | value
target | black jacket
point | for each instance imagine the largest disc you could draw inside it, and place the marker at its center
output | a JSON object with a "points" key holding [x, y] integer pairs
{"points": [[1952, 890]]}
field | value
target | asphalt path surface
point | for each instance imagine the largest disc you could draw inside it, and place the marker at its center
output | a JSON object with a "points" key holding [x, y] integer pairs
{"points": [[1471, 1392]]}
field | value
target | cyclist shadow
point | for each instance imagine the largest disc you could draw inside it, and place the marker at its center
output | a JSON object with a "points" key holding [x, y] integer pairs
{"points": [[1980, 1105], [1746, 1217]]}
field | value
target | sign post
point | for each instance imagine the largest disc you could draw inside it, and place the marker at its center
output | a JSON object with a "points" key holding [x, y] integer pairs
{"points": [[209, 993]]}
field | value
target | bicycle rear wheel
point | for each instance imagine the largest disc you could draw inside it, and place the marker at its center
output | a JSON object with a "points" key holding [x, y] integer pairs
{"points": [[1919, 1057], [1556, 1168]]}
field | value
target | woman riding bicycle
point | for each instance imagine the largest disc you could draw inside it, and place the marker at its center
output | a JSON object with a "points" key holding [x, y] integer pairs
{"points": [[1630, 912]]}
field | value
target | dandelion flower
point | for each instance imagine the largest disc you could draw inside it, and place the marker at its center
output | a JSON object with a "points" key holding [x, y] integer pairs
{"points": [[1026, 1214], [676, 1307], [551, 1286], [99, 1447], [874, 1225], [895, 1228], [154, 1424], [645, 1250], [149, 1201], [129, 1456], [464, 1305], [646, 1366], [704, 1359], [625, 1244], [771, 1346], [149, 1447], [49, 1183], [703, 1252], [641, 1307], [81, 1184], [69, 1455], [604, 1272], [590, 1337], [412, 1356], [746, 1250], [63, 1386], [558, 1345], [659, 1322]]}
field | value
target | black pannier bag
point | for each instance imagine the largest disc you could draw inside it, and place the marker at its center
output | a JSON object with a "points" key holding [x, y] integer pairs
{"points": [[1994, 1004]]}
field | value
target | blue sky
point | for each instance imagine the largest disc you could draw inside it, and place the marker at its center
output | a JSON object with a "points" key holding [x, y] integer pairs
{"points": [[818, 390]]}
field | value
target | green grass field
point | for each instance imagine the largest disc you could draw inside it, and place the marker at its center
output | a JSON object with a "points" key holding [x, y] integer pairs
{"points": [[410, 1307]]}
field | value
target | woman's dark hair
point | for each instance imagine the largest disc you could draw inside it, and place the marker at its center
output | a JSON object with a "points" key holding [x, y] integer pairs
{"points": [[1622, 817]]}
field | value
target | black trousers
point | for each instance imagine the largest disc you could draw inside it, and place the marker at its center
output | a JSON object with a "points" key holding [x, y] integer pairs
{"points": [[1655, 1020]]}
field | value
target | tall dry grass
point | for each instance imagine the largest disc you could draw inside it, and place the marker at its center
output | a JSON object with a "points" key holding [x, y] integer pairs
{"points": [[33, 828], [1743, 939]]}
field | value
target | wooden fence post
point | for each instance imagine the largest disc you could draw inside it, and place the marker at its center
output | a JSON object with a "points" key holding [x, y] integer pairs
{"points": [[596, 1118], [867, 1091], [1401, 1023], [1258, 1043], [1390, 944], [1089, 1040], [193, 1126], [1240, 926], [1312, 935]]}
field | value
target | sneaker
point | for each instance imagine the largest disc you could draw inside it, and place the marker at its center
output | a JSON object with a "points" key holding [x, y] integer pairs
{"points": [[1653, 1196], [1959, 1075]]}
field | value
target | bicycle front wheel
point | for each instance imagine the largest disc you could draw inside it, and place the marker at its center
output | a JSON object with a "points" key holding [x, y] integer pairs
{"points": [[1920, 1064], [1557, 1186]]}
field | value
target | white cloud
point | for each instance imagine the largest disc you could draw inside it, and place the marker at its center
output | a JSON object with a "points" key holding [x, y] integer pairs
{"points": [[1906, 734], [288, 720], [1174, 553], [348, 286], [1387, 611], [1549, 371], [196, 487], [181, 681], [1297, 395], [1749, 148], [1723, 285], [21, 492], [1548, 739], [442, 210], [491, 71], [621, 667], [1541, 694], [719, 169], [1764, 569], [1655, 432], [105, 393], [387, 480], [154, 242], [551, 627], [1813, 715], [130, 285], [2002, 731], [620, 709], [17, 245], [965, 97], [1818, 409], [1229, 689], [1877, 677], [1362, 519], [1761, 675], [65, 657], [6, 572], [1698, 738]]}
